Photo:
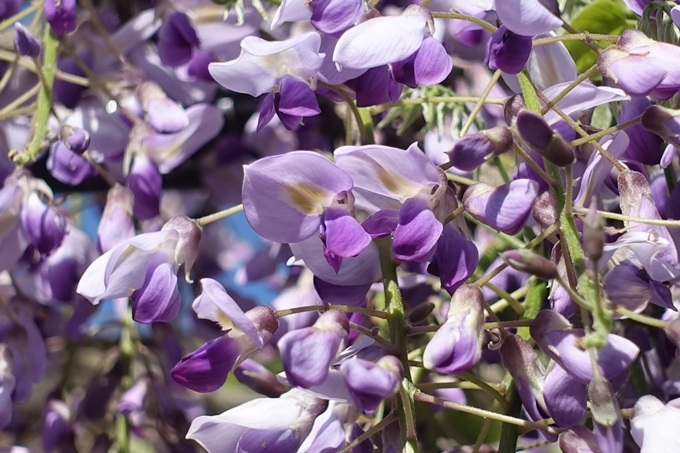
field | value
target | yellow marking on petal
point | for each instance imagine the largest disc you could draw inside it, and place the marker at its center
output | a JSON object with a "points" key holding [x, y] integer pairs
{"points": [[224, 321], [306, 197]]}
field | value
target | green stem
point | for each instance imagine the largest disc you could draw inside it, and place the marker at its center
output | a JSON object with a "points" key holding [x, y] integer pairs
{"points": [[604, 133], [364, 138], [426, 398], [50, 45], [480, 103], [363, 311], [127, 353], [396, 323], [203, 221], [647, 320], [473, 19], [627, 218], [576, 37]]}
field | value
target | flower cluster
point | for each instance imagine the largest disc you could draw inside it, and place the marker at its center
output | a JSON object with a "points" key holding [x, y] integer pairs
{"points": [[340, 226]]}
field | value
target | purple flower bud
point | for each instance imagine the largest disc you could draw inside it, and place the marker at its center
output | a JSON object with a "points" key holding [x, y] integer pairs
{"points": [[471, 151], [25, 43], [146, 183], [307, 353], [663, 122], [370, 383], [76, 139], [68, 167], [504, 208], [457, 345], [531, 263], [508, 51], [61, 15], [176, 40], [259, 378], [541, 138], [44, 225]]}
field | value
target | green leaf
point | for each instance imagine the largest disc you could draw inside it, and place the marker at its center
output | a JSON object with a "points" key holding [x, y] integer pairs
{"points": [[607, 17]]}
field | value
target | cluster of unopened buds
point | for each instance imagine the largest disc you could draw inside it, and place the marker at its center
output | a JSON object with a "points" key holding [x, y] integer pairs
{"points": [[340, 226]]}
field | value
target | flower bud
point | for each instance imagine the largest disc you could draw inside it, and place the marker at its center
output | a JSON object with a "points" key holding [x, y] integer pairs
{"points": [[44, 225], [578, 439], [116, 224], [25, 43], [61, 15], [420, 312], [541, 138], [471, 151], [176, 40], [593, 233], [55, 424], [76, 139], [146, 183], [531, 263]]}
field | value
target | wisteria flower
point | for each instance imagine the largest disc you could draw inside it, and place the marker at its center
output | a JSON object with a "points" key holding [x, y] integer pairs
{"points": [[286, 71]]}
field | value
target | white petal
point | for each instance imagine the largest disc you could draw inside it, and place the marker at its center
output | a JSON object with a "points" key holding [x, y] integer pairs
{"points": [[380, 41]]}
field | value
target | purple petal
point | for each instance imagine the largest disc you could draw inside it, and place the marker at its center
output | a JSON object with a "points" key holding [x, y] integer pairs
{"points": [[68, 167], [417, 232], [368, 383], [376, 86], [307, 354], [285, 196], [176, 40], [387, 172], [507, 51], [146, 184], [297, 98], [25, 43], [206, 369], [362, 269], [382, 223], [165, 115], [283, 441], [216, 305], [158, 299], [334, 16], [170, 150], [430, 65], [527, 17], [344, 236], [455, 259], [505, 208], [61, 15], [565, 397]]}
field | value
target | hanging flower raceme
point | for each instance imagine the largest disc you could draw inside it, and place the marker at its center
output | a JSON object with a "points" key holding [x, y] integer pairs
{"points": [[285, 71], [206, 369], [292, 197], [145, 268], [405, 42]]}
